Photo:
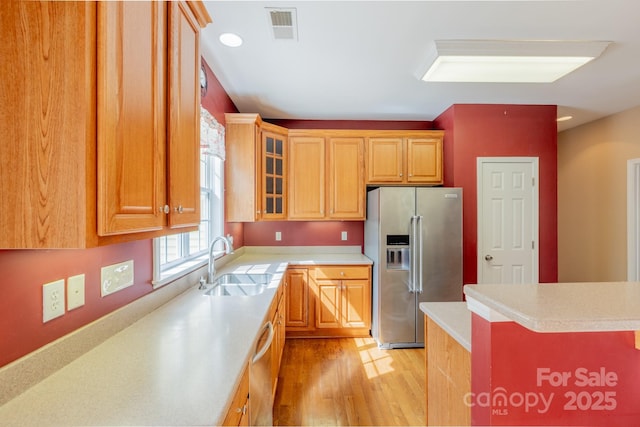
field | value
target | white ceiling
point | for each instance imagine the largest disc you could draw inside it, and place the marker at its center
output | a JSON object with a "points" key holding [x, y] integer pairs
{"points": [[363, 60]]}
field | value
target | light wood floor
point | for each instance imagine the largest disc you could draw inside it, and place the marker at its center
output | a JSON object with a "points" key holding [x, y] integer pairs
{"points": [[349, 381]]}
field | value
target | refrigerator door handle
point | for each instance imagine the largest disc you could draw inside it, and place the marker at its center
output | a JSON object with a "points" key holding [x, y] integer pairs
{"points": [[420, 233], [414, 255]]}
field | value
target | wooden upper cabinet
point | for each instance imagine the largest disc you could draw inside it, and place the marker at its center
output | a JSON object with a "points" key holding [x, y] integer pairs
{"points": [[274, 175], [307, 177], [242, 167], [252, 192], [86, 112], [148, 116], [385, 160], [131, 116], [410, 157], [47, 124], [424, 160], [184, 116], [326, 171], [346, 178]]}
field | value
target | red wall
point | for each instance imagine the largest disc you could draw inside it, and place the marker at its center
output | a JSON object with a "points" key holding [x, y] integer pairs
{"points": [[320, 233], [23, 272], [217, 102], [473, 131]]}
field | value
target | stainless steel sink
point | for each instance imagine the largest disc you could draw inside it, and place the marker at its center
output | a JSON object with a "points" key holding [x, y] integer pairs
{"points": [[233, 284]]}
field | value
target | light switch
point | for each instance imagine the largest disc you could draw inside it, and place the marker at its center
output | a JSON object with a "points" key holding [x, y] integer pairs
{"points": [[75, 291]]}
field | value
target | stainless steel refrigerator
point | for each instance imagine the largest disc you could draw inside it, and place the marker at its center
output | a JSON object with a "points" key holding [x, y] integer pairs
{"points": [[414, 237]]}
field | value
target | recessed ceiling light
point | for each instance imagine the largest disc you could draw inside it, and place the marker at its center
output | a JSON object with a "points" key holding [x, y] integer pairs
{"points": [[508, 61], [230, 39], [564, 118]]}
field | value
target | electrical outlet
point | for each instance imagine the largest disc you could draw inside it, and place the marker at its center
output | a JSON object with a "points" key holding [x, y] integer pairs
{"points": [[52, 300], [116, 277], [278, 236], [344, 235], [75, 292]]}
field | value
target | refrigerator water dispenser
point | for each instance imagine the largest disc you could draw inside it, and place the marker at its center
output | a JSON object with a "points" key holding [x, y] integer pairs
{"points": [[398, 252]]}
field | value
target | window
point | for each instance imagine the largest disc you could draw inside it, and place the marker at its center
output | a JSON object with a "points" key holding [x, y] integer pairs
{"points": [[178, 253]]}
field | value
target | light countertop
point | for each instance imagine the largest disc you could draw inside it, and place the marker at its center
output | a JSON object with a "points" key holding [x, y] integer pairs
{"points": [[454, 317], [560, 307], [178, 365]]}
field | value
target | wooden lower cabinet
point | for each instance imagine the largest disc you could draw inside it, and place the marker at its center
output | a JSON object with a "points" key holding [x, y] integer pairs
{"points": [[329, 301], [238, 414], [343, 304], [277, 345], [297, 290], [448, 367]]}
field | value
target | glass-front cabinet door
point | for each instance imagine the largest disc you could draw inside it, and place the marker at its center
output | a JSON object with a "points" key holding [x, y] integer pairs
{"points": [[274, 175]]}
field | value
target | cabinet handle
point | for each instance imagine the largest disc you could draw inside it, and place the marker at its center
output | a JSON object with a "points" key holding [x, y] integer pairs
{"points": [[342, 273], [179, 209], [164, 209], [400, 174]]}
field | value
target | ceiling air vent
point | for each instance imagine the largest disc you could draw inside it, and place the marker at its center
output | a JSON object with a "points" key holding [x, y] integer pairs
{"points": [[283, 23]]}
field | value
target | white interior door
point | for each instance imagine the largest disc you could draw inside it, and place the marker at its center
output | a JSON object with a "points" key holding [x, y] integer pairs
{"points": [[507, 220]]}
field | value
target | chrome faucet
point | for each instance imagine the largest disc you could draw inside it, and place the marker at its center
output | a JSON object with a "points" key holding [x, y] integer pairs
{"points": [[228, 249]]}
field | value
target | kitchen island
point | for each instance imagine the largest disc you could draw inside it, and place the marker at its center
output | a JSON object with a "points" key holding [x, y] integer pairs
{"points": [[555, 354], [177, 365], [447, 327]]}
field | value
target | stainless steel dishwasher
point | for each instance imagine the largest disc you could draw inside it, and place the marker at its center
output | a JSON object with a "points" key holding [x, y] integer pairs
{"points": [[260, 392]]}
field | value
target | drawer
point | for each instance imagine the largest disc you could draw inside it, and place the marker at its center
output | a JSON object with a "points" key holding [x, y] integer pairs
{"points": [[337, 272]]}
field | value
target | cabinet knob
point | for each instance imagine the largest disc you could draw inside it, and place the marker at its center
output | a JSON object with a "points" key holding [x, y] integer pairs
{"points": [[400, 174], [342, 273], [179, 209], [164, 209]]}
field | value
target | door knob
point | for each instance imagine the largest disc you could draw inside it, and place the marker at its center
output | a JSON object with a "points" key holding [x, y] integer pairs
{"points": [[488, 257]]}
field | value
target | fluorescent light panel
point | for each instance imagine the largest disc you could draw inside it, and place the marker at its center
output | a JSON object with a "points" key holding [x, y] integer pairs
{"points": [[507, 61]]}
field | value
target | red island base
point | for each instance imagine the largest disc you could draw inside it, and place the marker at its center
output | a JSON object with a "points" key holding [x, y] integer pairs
{"points": [[521, 377]]}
